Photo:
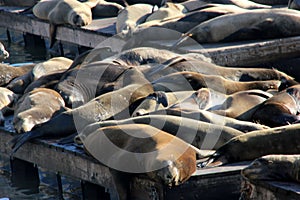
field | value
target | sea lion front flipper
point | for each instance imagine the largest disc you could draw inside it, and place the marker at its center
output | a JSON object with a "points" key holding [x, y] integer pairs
{"points": [[52, 34]]}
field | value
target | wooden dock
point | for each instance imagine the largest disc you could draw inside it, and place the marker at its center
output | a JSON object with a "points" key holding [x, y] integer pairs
{"points": [[228, 54], [218, 183]]}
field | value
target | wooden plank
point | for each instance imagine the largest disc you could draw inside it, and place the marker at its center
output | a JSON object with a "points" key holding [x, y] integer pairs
{"points": [[63, 161], [30, 24], [270, 190]]}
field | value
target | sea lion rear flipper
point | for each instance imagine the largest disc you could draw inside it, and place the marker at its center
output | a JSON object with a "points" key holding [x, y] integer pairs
{"points": [[52, 34]]}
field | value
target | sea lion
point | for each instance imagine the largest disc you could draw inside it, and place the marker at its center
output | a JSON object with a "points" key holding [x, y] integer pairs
{"points": [[239, 105], [160, 100], [46, 81], [275, 167], [294, 4], [247, 4], [7, 98], [279, 140], [171, 11], [210, 117], [281, 109], [36, 107], [186, 62], [8, 73], [142, 149], [106, 9], [251, 25], [59, 12], [180, 81], [192, 19], [78, 86], [3, 53], [130, 17], [19, 84], [203, 135], [112, 104]]}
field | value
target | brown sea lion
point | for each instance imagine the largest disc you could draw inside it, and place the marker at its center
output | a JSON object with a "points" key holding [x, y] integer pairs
{"points": [[251, 25], [78, 86], [210, 117], [130, 17], [159, 100], [47, 81], [275, 167], [187, 62], [140, 148], [180, 81], [239, 105], [200, 134], [112, 104], [3, 53], [279, 140], [7, 99], [36, 107], [281, 109], [59, 12], [19, 84], [169, 12], [8, 73]]}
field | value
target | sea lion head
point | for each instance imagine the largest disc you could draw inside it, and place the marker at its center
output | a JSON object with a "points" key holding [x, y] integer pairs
{"points": [[80, 17], [267, 168], [178, 171], [3, 53]]}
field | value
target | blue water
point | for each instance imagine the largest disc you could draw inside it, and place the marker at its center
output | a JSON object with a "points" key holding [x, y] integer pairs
{"points": [[48, 188]]}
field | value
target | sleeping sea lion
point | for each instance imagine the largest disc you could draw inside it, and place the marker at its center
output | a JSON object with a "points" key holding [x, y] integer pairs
{"points": [[251, 25], [140, 148], [281, 109], [200, 134], [275, 167], [159, 100], [36, 107], [279, 140], [130, 17], [180, 81], [8, 73], [106, 9], [171, 11], [239, 105], [112, 104], [7, 98], [59, 12], [3, 53], [192, 19], [78, 86], [210, 117], [186, 62], [19, 84]]}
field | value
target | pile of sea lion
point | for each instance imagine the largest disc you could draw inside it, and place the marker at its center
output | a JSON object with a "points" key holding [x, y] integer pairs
{"points": [[143, 99]]}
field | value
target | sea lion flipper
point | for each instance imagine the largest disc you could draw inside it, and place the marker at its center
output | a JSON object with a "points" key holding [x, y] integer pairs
{"points": [[52, 34], [19, 140]]}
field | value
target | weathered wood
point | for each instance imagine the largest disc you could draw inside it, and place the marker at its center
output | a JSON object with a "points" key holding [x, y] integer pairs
{"points": [[57, 159], [270, 190]]}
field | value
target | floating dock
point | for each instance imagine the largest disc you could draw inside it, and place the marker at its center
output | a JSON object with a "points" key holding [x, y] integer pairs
{"points": [[217, 183]]}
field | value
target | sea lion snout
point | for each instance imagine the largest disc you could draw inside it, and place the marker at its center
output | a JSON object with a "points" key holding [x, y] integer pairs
{"points": [[170, 174]]}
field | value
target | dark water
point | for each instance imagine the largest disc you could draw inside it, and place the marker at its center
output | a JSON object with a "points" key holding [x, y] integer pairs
{"points": [[48, 187]]}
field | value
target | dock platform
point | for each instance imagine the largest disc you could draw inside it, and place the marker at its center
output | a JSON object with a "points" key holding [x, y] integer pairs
{"points": [[216, 183]]}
